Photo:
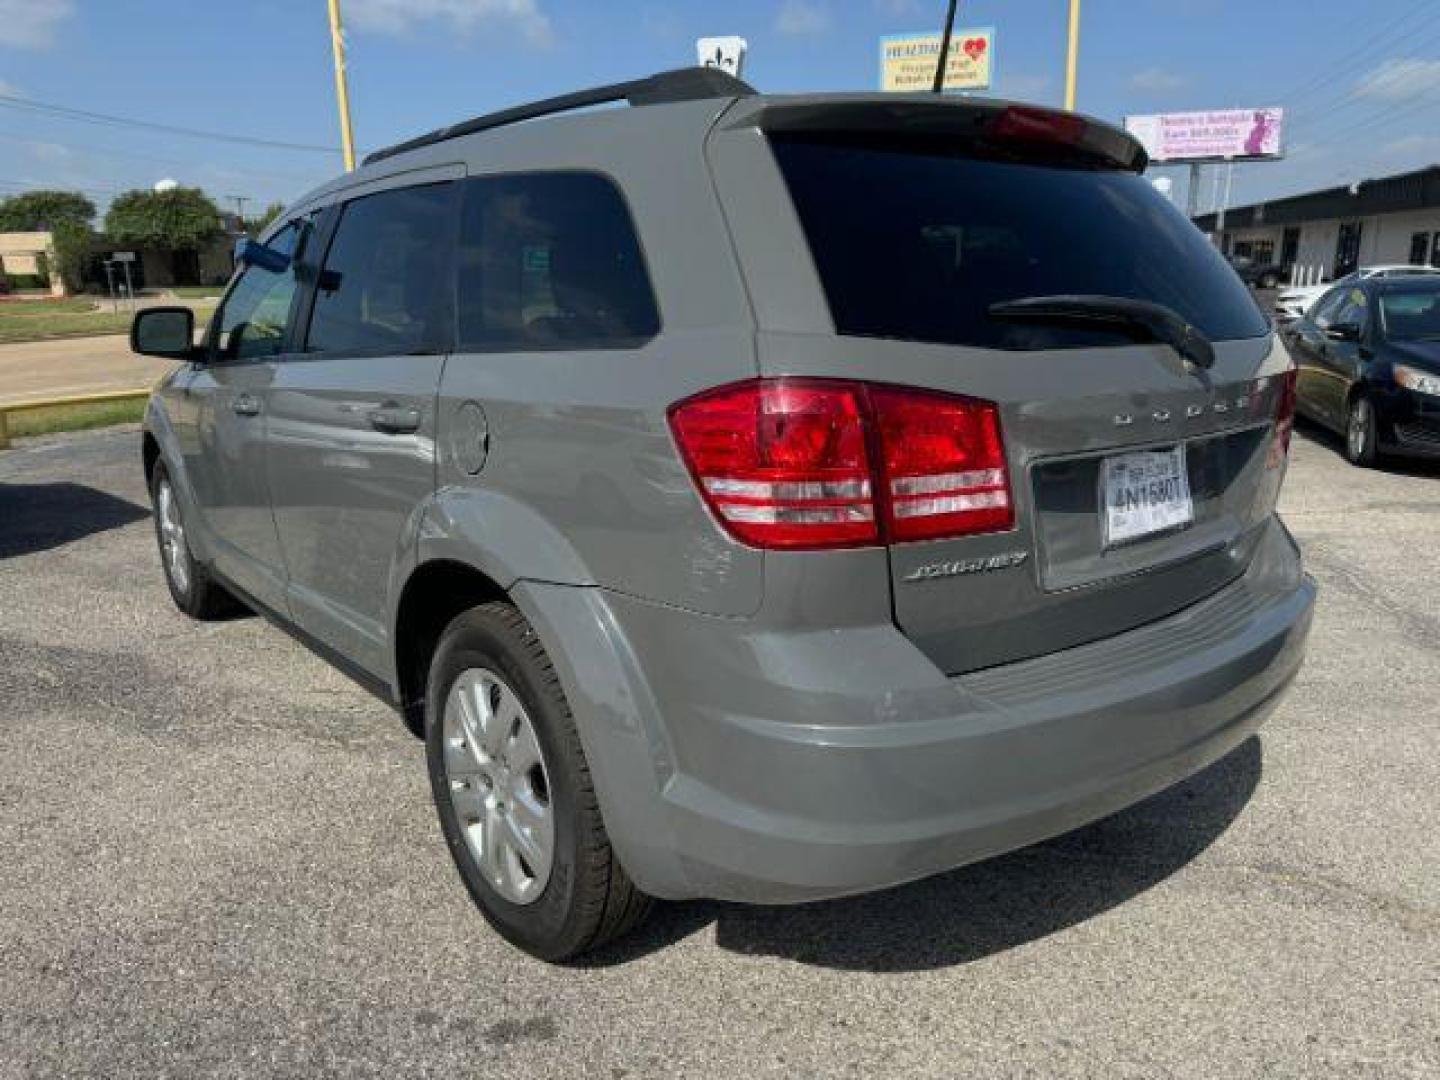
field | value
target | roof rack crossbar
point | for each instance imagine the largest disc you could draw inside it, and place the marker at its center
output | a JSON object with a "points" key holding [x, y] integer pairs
{"points": [[682, 84]]}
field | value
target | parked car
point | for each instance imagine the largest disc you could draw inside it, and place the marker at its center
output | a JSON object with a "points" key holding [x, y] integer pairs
{"points": [[1294, 302], [1258, 275], [723, 541], [1369, 360]]}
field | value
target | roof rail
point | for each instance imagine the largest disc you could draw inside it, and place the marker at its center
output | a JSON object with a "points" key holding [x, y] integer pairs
{"points": [[682, 84]]}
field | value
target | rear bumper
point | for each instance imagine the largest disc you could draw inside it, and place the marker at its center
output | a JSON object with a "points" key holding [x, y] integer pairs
{"points": [[759, 765]]}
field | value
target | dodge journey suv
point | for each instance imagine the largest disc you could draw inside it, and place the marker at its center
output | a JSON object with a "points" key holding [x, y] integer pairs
{"points": [[755, 497]]}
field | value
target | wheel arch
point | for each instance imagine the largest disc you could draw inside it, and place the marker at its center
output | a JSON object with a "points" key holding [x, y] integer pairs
{"points": [[433, 595]]}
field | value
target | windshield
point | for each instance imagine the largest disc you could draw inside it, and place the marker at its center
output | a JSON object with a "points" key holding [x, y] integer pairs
{"points": [[916, 243], [1410, 314]]}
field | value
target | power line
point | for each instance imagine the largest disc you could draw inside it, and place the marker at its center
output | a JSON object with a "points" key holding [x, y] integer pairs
{"points": [[10, 101], [93, 148]]}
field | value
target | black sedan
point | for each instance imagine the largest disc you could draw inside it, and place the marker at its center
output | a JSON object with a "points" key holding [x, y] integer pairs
{"points": [[1258, 275], [1369, 358]]}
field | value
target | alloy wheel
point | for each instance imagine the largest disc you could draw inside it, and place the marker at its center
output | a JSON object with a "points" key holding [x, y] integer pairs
{"points": [[499, 785], [172, 538]]}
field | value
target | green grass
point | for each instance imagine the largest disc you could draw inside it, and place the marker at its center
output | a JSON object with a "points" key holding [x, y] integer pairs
{"points": [[196, 292], [37, 320], [75, 417]]}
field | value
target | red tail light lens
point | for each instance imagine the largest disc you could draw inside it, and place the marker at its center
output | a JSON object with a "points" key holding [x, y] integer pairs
{"points": [[783, 463], [944, 467], [1284, 420], [798, 463]]}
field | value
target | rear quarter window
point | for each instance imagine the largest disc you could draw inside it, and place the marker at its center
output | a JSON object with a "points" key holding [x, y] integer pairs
{"points": [[550, 261], [917, 244]]}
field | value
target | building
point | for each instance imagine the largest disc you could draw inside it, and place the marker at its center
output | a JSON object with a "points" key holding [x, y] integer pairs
{"points": [[25, 261], [1322, 235]]}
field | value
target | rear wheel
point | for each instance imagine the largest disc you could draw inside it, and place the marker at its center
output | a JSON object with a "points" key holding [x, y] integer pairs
{"points": [[192, 588], [1361, 437], [514, 794]]}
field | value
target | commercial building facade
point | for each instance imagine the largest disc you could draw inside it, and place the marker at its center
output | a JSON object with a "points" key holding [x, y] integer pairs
{"points": [[1324, 234]]}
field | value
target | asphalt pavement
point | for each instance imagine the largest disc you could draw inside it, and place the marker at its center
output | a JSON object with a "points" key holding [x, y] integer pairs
{"points": [[218, 858]]}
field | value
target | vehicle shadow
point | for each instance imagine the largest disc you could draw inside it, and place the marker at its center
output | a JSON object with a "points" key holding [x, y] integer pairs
{"points": [[1322, 436], [982, 909], [37, 517]]}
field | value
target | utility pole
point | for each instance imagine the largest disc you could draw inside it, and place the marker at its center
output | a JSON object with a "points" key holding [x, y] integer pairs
{"points": [[239, 201], [1072, 55], [342, 85], [1192, 192]]}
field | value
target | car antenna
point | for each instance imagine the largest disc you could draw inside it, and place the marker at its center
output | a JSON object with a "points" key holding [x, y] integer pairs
{"points": [[939, 86]]}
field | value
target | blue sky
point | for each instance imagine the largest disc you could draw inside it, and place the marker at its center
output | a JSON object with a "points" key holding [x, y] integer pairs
{"points": [[1360, 79]]}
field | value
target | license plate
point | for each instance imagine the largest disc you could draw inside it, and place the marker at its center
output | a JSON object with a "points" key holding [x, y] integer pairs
{"points": [[1145, 492]]}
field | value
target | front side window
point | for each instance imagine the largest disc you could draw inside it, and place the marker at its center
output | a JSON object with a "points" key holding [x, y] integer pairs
{"points": [[550, 260], [382, 288], [915, 241], [1327, 307], [256, 314]]}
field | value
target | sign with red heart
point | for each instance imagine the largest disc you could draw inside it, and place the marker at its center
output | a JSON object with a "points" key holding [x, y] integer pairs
{"points": [[907, 61]]}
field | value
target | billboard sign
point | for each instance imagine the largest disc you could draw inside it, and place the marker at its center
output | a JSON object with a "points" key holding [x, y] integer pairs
{"points": [[1217, 135], [907, 61]]}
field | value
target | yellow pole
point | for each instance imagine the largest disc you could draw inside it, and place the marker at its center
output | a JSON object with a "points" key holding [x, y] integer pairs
{"points": [[1072, 54], [342, 85]]}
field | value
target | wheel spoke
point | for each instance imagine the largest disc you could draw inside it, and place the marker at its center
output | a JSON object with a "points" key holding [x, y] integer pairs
{"points": [[523, 751], [492, 844], [529, 828]]}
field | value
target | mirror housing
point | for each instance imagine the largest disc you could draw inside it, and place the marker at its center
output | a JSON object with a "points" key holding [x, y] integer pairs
{"points": [[167, 332], [250, 252], [1343, 331]]}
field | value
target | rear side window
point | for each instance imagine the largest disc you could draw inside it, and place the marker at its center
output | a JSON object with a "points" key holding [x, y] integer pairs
{"points": [[382, 288], [916, 243], [550, 260]]}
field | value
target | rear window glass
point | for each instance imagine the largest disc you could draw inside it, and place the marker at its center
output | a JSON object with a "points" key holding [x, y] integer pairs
{"points": [[917, 244]]}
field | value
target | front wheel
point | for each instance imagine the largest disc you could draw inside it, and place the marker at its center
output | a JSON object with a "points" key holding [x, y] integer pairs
{"points": [[513, 789], [1361, 436], [192, 588]]}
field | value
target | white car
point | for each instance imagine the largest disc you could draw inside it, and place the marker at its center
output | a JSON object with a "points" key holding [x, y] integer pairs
{"points": [[1294, 302]]}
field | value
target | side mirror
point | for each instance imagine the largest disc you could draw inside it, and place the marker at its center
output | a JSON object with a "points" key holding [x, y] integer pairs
{"points": [[253, 253], [167, 332], [1345, 331]]}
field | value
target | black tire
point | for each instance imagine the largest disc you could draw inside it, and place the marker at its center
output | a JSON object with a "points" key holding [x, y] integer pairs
{"points": [[1362, 436], [588, 898], [199, 595]]}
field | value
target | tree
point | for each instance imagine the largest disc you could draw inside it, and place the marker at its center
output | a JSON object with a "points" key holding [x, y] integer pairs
{"points": [[256, 226], [42, 211], [72, 247], [180, 220]]}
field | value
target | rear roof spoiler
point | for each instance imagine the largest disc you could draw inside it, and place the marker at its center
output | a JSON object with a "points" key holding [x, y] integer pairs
{"points": [[682, 84], [934, 116]]}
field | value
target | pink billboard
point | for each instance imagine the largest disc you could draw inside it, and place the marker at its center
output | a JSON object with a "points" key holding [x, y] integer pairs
{"points": [[1216, 135]]}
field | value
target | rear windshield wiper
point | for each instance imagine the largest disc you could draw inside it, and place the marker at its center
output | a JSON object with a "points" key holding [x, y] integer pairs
{"points": [[1155, 322]]}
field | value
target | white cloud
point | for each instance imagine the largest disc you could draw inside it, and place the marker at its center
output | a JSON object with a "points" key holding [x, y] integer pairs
{"points": [[1155, 80], [9, 89], [1396, 79], [801, 18], [401, 16], [30, 24]]}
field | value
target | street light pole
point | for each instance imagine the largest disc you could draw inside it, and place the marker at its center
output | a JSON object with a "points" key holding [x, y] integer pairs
{"points": [[342, 85], [1072, 55]]}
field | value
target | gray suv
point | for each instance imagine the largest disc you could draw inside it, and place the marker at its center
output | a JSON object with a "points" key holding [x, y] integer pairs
{"points": [[755, 497]]}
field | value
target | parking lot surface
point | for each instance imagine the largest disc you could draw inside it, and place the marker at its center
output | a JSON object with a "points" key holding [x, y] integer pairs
{"points": [[220, 858]]}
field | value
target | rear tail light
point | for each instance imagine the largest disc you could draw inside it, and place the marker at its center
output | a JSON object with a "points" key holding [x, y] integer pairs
{"points": [[1284, 420], [810, 463]]}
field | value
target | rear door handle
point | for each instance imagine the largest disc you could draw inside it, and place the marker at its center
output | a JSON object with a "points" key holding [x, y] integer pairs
{"points": [[395, 419], [245, 405]]}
